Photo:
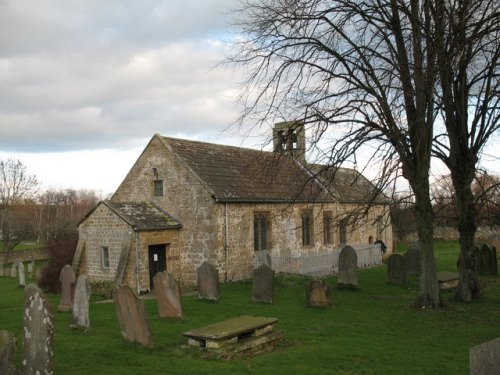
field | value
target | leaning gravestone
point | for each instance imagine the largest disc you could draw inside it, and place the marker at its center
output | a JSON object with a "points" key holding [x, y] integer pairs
{"points": [[412, 259], [484, 359], [396, 269], [132, 316], [208, 282], [67, 279], [7, 353], [487, 260], [38, 332], [81, 304], [263, 284], [22, 278], [13, 272], [318, 294], [348, 268], [168, 296]]}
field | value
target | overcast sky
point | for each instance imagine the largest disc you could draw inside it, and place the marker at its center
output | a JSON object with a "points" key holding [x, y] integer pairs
{"points": [[85, 84]]}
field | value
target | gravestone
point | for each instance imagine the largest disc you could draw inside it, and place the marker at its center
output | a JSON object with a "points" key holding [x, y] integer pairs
{"points": [[1, 269], [412, 259], [13, 272], [22, 278], [38, 332], [7, 353], [263, 257], [318, 294], [263, 284], [31, 265], [208, 282], [67, 279], [348, 268], [132, 316], [81, 304], [484, 359], [168, 296], [396, 269], [487, 260]]}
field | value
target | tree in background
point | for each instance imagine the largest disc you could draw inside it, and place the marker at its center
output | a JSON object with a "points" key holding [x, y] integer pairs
{"points": [[359, 74], [17, 187]]}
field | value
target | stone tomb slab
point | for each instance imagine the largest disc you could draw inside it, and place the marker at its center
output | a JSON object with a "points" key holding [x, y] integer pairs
{"points": [[447, 280], [241, 334]]}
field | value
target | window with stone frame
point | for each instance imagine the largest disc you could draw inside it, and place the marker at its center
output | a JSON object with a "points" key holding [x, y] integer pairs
{"points": [[158, 188], [343, 231], [307, 229], [104, 257], [261, 231], [327, 227]]}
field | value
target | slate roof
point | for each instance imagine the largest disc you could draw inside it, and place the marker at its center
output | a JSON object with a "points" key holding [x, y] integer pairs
{"points": [[144, 216], [235, 174], [348, 185]]}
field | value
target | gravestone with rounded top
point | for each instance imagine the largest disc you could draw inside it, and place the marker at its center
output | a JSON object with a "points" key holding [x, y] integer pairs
{"points": [[318, 294], [412, 259], [22, 277], [263, 284], [7, 353], [396, 269], [208, 282], [348, 268], [168, 296], [487, 260], [80, 314], [132, 316], [67, 279], [38, 332], [484, 359]]}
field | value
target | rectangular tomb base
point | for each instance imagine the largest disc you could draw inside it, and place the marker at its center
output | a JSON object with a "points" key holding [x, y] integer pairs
{"points": [[235, 338]]}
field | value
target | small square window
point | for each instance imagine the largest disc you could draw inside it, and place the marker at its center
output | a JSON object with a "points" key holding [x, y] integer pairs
{"points": [[105, 257], [158, 188]]}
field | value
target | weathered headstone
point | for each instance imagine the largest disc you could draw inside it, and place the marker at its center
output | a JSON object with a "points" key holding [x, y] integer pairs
{"points": [[67, 279], [13, 272], [132, 316], [263, 284], [30, 268], [484, 359], [487, 260], [396, 269], [168, 296], [38, 332], [263, 257], [22, 277], [318, 294], [81, 303], [7, 353], [412, 259], [208, 282], [348, 268]]}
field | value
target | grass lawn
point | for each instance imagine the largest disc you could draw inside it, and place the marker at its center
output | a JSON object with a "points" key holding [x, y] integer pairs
{"points": [[371, 331]]}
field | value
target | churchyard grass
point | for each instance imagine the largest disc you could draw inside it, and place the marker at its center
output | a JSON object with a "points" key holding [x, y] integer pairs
{"points": [[369, 331]]}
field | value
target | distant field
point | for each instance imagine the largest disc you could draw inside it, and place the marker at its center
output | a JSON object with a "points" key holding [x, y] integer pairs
{"points": [[371, 331]]}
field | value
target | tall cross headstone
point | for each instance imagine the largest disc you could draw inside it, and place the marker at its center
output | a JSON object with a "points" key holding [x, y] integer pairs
{"points": [[168, 296], [263, 284], [132, 316], [38, 332], [81, 303], [22, 277], [348, 268], [67, 279], [208, 282], [396, 269]]}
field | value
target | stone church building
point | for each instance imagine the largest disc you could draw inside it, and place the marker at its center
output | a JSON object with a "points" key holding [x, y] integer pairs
{"points": [[185, 202]]}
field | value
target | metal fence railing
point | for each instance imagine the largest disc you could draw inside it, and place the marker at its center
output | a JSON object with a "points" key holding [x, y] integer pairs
{"points": [[318, 264]]}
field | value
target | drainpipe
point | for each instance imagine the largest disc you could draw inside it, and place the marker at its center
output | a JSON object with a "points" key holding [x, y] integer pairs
{"points": [[226, 240], [137, 264]]}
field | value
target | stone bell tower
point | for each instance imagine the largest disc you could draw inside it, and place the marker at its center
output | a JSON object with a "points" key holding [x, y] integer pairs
{"points": [[289, 138]]}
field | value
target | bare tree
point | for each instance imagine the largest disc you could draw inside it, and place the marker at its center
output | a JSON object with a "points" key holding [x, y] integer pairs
{"points": [[16, 187], [358, 73], [468, 50]]}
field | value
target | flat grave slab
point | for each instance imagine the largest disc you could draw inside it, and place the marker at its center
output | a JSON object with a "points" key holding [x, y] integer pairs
{"points": [[447, 280], [240, 334]]}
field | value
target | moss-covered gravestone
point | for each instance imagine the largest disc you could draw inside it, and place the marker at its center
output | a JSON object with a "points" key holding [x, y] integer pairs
{"points": [[7, 353], [318, 294], [263, 284]]}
